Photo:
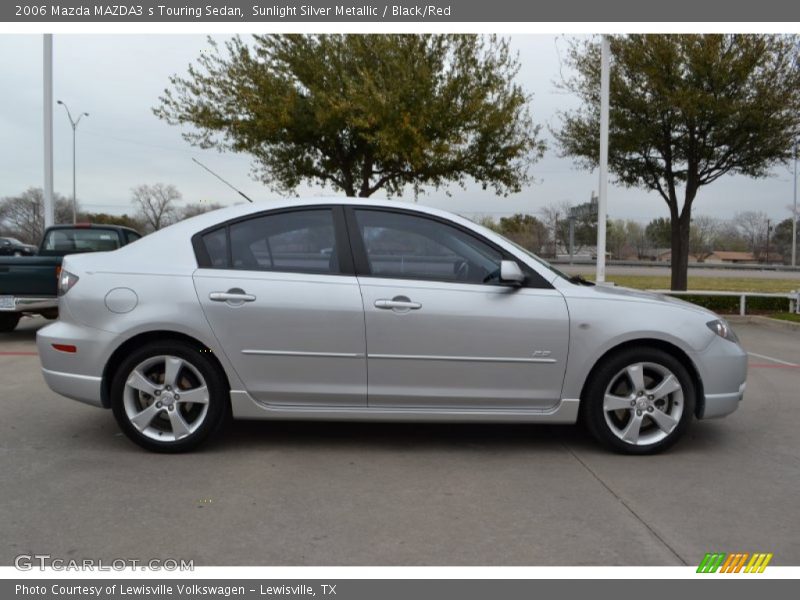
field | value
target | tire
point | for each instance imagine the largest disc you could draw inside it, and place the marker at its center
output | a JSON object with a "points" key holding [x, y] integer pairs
{"points": [[170, 413], [8, 321], [639, 401]]}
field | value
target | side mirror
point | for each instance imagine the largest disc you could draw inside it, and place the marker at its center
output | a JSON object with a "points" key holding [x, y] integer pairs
{"points": [[510, 272]]}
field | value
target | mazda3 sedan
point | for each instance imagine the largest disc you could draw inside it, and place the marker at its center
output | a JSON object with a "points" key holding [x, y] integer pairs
{"points": [[346, 309]]}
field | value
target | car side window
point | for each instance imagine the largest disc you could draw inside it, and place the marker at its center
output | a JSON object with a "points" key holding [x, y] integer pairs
{"points": [[400, 245], [302, 241]]}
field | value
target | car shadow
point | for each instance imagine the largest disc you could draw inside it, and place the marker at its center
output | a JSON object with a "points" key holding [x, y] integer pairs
{"points": [[25, 331]]}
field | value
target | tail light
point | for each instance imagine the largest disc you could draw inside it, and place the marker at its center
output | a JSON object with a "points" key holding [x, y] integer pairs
{"points": [[66, 281]]}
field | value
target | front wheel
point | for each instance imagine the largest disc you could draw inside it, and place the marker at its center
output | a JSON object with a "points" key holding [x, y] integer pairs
{"points": [[640, 401], [169, 397]]}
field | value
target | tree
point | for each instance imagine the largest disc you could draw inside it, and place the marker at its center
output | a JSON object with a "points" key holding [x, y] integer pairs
{"points": [[686, 110], [155, 204], [782, 239], [702, 236], [107, 219], [753, 226], [362, 113], [525, 230], [556, 219], [659, 232], [197, 208], [23, 216]]}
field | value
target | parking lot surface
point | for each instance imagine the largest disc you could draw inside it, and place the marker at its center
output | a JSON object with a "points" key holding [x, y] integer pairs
{"points": [[400, 494]]}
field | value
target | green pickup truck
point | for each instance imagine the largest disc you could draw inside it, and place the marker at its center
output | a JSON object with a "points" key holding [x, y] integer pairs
{"points": [[29, 284]]}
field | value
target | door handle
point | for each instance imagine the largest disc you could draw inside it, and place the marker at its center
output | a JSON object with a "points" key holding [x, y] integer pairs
{"points": [[233, 296], [398, 303]]}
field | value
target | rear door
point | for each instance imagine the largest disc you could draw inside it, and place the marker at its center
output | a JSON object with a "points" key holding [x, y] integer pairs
{"points": [[279, 292]]}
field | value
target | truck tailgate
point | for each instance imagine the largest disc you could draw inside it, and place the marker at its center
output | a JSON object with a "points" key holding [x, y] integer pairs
{"points": [[30, 276]]}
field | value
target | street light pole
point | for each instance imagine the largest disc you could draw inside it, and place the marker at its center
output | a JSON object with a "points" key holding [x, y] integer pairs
{"points": [[74, 124]]}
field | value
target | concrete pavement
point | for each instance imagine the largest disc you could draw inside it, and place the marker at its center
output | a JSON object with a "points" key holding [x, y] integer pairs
{"points": [[400, 494]]}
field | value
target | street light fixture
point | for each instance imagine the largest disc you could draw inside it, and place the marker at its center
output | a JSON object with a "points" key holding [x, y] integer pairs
{"points": [[74, 123]]}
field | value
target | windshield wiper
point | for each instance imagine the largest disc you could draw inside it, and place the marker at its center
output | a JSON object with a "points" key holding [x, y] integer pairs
{"points": [[580, 280]]}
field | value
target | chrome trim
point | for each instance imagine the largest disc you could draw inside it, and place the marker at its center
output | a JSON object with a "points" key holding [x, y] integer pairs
{"points": [[493, 359], [304, 354], [30, 304]]}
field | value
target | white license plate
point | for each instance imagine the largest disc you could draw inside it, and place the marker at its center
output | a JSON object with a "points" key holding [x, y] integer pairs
{"points": [[7, 302]]}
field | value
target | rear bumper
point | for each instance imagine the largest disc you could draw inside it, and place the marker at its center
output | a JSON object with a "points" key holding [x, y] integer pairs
{"points": [[77, 375], [84, 388], [30, 304]]}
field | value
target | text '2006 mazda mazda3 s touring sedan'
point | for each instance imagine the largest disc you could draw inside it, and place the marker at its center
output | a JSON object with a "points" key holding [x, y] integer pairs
{"points": [[353, 310]]}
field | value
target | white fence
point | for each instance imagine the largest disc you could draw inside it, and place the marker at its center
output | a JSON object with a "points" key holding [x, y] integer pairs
{"points": [[793, 297]]}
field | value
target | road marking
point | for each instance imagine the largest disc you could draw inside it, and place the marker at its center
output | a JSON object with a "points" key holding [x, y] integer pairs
{"points": [[775, 360]]}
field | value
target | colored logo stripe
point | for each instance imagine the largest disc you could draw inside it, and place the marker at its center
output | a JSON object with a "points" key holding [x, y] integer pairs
{"points": [[734, 562]]}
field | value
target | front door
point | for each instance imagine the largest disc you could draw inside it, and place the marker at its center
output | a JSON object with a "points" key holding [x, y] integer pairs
{"points": [[442, 331]]}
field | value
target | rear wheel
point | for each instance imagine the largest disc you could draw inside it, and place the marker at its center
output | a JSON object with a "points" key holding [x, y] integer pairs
{"points": [[169, 397], [8, 321], [640, 401]]}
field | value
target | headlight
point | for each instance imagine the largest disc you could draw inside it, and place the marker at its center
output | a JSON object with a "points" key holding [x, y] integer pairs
{"points": [[65, 282], [723, 330]]}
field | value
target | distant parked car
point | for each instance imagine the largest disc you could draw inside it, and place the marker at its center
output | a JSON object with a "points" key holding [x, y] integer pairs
{"points": [[344, 309], [13, 247]]}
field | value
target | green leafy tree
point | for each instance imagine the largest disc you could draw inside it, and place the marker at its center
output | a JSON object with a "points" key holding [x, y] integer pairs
{"points": [[526, 230], [659, 232], [362, 113], [686, 110], [782, 240]]}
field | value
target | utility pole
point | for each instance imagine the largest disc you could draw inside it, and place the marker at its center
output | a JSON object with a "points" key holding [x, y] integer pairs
{"points": [[794, 211], [766, 260], [47, 87], [602, 198], [571, 237]]}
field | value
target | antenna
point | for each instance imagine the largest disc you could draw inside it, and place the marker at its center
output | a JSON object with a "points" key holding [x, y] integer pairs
{"points": [[241, 193]]}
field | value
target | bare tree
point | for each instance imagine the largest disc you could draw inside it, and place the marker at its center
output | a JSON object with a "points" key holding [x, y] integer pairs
{"points": [[197, 208], [155, 204], [22, 216], [702, 236], [753, 226]]}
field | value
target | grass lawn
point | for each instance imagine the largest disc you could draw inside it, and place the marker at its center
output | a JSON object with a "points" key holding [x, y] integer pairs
{"points": [[654, 282], [793, 317]]}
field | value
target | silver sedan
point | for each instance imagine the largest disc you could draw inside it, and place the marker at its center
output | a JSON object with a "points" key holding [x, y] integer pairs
{"points": [[354, 310]]}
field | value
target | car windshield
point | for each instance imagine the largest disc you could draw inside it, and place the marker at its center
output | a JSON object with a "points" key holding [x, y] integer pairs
{"points": [[80, 240]]}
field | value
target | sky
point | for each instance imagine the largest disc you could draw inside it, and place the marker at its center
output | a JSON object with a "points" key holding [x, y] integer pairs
{"points": [[118, 79]]}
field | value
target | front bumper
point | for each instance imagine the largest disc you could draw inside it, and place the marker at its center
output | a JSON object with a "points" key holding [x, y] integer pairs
{"points": [[723, 370]]}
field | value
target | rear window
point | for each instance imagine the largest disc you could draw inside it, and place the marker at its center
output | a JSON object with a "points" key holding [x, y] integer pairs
{"points": [[65, 241]]}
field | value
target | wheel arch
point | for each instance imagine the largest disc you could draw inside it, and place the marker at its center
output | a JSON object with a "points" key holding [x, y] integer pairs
{"points": [[665, 346], [115, 360]]}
